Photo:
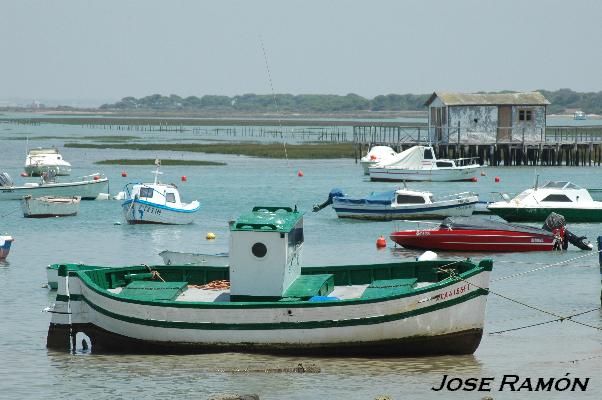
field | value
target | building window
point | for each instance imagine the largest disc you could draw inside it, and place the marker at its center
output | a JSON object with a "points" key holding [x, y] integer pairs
{"points": [[525, 115]]}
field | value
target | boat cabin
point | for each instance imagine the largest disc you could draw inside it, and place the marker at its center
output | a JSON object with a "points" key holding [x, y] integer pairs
{"points": [[164, 194], [265, 254]]}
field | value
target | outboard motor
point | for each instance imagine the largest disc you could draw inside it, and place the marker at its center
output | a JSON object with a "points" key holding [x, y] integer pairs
{"points": [[557, 223], [5, 180], [336, 192]]}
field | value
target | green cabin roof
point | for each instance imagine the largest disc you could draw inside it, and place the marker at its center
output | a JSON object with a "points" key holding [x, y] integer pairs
{"points": [[268, 219]]}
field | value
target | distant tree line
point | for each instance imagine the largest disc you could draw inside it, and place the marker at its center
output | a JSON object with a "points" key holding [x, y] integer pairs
{"points": [[319, 103]]}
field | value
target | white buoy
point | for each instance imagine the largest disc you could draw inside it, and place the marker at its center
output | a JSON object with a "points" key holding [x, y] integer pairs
{"points": [[427, 256]]}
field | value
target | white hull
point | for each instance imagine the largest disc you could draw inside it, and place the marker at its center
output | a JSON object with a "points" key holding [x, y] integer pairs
{"points": [[366, 166], [432, 174], [49, 206], [177, 258], [438, 210], [422, 315], [143, 212], [87, 190]]}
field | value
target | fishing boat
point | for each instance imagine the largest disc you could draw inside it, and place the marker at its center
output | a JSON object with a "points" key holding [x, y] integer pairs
{"points": [[180, 258], [156, 203], [48, 206], [563, 197], [87, 187], [5, 243], [265, 302], [377, 155], [40, 160], [479, 234], [419, 163], [400, 204]]}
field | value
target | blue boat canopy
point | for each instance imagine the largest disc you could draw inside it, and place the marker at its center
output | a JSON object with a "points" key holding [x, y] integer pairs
{"points": [[384, 198]]}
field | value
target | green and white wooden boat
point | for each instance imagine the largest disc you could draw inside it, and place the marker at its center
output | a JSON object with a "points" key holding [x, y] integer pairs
{"points": [[272, 305], [562, 197]]}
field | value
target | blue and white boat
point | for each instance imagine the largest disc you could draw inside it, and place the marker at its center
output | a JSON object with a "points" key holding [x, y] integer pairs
{"points": [[5, 243], [400, 204], [156, 203]]}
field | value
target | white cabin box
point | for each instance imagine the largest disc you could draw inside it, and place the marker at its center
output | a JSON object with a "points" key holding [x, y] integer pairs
{"points": [[265, 247]]}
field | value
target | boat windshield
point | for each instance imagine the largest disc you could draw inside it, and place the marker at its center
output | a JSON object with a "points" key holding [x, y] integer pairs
{"points": [[560, 185], [408, 199]]}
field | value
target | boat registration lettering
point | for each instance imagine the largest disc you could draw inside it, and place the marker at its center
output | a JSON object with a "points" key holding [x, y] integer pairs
{"points": [[536, 240], [151, 210], [423, 233], [452, 293]]}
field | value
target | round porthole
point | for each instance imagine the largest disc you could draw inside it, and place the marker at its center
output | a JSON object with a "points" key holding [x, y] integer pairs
{"points": [[259, 250]]}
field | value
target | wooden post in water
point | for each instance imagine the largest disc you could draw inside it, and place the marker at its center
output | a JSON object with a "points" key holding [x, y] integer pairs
{"points": [[600, 262]]}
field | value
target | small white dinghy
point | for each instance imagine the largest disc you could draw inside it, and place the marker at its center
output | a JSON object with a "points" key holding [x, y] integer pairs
{"points": [[156, 203], [49, 206]]}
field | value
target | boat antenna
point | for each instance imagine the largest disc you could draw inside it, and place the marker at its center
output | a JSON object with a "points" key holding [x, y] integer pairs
{"points": [[267, 67], [157, 172], [536, 180]]}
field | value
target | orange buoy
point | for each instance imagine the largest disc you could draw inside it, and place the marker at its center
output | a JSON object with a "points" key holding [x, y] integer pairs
{"points": [[474, 179], [299, 173], [483, 173], [24, 174], [184, 179], [381, 242], [497, 179], [372, 157], [96, 177], [123, 174]]}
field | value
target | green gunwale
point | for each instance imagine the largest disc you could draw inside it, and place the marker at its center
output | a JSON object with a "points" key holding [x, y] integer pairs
{"points": [[470, 269]]}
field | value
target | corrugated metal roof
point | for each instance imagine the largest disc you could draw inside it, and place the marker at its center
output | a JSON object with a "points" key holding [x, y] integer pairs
{"points": [[464, 99]]}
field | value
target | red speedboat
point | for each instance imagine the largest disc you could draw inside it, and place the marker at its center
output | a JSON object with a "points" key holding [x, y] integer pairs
{"points": [[477, 234]]}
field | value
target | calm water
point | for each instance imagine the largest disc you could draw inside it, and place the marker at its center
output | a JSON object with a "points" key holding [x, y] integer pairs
{"points": [[28, 370]]}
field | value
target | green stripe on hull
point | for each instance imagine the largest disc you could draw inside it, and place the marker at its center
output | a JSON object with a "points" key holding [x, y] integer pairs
{"points": [[288, 325], [540, 214]]}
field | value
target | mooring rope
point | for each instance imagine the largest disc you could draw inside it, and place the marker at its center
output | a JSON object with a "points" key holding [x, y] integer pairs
{"points": [[9, 213], [544, 323]]}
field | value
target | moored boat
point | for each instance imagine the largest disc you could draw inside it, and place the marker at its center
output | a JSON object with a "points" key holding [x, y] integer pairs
{"points": [[48, 206], [5, 243], [264, 302], [87, 187], [156, 203], [563, 197], [40, 160], [377, 155], [419, 163], [400, 204], [479, 234]]}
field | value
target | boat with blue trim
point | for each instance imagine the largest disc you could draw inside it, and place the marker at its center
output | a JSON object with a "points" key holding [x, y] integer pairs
{"points": [[265, 302], [5, 243], [156, 203], [400, 204]]}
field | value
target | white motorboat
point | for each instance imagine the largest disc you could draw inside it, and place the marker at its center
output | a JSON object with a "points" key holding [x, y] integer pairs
{"points": [[401, 204], [48, 206], [562, 197], [579, 115], [156, 203], [87, 187], [376, 155], [40, 160], [419, 163]]}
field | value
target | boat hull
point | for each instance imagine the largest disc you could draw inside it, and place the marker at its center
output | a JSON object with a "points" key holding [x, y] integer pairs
{"points": [[415, 211], [87, 190], [473, 240], [49, 207], [445, 318], [38, 170], [433, 175], [5, 244], [143, 212], [528, 214], [177, 258]]}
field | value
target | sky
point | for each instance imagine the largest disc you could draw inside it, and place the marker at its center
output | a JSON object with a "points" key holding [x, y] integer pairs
{"points": [[100, 51]]}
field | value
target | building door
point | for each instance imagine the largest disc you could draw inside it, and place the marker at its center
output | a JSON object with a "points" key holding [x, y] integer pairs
{"points": [[438, 119], [504, 123]]}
